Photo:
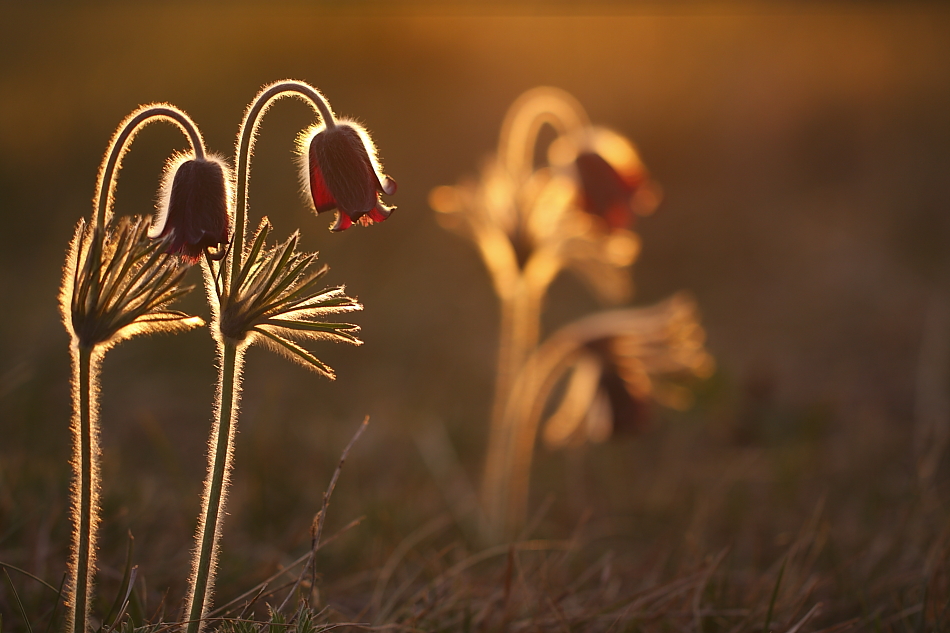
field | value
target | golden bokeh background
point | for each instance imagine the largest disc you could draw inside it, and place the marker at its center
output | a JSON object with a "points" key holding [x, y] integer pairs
{"points": [[804, 153]]}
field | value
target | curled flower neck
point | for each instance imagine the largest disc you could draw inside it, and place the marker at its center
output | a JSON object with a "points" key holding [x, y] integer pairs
{"points": [[246, 138], [526, 117], [112, 163]]}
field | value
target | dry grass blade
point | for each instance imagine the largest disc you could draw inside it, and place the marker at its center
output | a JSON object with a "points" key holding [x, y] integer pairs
{"points": [[698, 596], [430, 528], [125, 600], [125, 588], [19, 604], [778, 584], [259, 588], [320, 519], [814, 610], [28, 574]]}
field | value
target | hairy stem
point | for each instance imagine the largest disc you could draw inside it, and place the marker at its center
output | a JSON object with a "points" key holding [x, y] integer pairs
{"points": [[85, 487], [521, 307], [246, 137], [526, 117], [221, 449], [120, 145], [520, 326]]}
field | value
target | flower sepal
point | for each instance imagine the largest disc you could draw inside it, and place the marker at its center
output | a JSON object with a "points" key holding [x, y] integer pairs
{"points": [[118, 283], [277, 302]]}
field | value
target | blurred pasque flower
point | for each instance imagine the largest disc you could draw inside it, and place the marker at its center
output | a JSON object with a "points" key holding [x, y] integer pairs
{"points": [[343, 173], [616, 365], [532, 221], [613, 183], [619, 365], [194, 215]]}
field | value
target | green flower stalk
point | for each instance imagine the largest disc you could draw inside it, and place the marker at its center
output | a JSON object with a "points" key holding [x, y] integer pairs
{"points": [[270, 295], [117, 283]]}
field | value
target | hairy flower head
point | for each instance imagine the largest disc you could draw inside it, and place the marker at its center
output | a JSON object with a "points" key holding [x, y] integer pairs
{"points": [[341, 171], [193, 212]]}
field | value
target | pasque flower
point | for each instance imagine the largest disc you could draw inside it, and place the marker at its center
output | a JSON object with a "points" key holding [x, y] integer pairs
{"points": [[601, 399], [343, 173], [193, 213], [271, 295], [617, 364], [531, 220], [613, 183], [117, 283]]}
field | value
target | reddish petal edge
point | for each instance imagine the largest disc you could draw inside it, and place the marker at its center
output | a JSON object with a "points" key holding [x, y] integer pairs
{"points": [[323, 200], [341, 223]]}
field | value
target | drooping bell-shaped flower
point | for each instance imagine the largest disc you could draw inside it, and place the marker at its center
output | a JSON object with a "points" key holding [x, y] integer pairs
{"points": [[605, 192], [613, 183], [604, 396], [616, 365], [193, 212], [343, 173]]}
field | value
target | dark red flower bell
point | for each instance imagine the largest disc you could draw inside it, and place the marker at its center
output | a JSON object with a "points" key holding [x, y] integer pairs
{"points": [[193, 215], [630, 408], [343, 173], [612, 182], [607, 193]]}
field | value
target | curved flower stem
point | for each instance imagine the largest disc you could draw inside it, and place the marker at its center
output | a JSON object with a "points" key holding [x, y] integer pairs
{"points": [[221, 452], [85, 486], [85, 367], [519, 332], [123, 139], [526, 117], [521, 303], [246, 137], [229, 389]]}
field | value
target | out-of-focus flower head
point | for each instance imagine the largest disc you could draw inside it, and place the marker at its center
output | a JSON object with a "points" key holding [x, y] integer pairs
{"points": [[618, 365], [612, 182], [194, 207], [342, 172], [575, 212]]}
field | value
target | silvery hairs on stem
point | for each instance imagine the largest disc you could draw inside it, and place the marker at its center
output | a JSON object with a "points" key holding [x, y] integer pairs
{"points": [[117, 283], [272, 295]]}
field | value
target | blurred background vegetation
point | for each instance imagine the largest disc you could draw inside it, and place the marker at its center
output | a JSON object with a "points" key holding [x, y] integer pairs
{"points": [[804, 153]]}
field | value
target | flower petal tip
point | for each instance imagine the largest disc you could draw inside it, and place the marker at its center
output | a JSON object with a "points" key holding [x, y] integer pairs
{"points": [[341, 223]]}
